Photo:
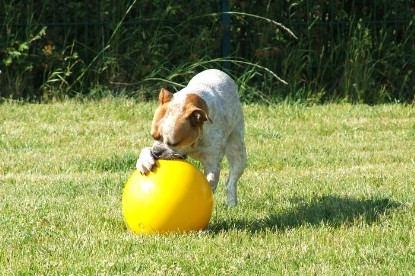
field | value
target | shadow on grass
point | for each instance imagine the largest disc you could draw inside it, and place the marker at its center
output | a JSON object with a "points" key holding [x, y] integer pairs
{"points": [[332, 211]]}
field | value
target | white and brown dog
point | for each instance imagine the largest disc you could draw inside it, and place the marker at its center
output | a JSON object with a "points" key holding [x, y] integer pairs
{"points": [[205, 121]]}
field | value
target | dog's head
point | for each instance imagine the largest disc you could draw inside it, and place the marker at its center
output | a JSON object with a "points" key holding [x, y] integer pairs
{"points": [[177, 124]]}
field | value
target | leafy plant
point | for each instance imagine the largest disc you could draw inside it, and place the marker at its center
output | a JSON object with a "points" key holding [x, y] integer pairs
{"points": [[337, 50]]}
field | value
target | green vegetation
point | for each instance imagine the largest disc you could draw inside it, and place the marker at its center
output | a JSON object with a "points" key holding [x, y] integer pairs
{"points": [[329, 190], [342, 51]]}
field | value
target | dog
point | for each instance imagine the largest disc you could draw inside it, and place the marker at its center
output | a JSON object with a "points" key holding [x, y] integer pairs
{"points": [[204, 121]]}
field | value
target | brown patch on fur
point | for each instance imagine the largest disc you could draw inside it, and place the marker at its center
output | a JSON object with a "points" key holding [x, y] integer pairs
{"points": [[197, 107], [165, 96], [184, 133], [188, 127], [154, 132]]}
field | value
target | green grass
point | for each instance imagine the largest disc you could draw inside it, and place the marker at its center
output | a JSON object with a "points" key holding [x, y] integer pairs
{"points": [[328, 190]]}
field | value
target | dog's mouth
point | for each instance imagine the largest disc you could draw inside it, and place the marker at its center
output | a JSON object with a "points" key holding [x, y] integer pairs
{"points": [[160, 152]]}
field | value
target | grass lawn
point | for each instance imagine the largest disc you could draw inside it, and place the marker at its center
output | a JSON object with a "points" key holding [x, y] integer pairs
{"points": [[328, 190]]}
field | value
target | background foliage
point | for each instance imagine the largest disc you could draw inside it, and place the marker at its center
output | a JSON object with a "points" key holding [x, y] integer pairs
{"points": [[356, 51]]}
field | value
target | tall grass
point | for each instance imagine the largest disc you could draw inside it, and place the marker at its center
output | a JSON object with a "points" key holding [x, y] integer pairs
{"points": [[300, 51]]}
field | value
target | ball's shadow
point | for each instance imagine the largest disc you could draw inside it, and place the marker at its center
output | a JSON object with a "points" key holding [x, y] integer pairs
{"points": [[333, 211]]}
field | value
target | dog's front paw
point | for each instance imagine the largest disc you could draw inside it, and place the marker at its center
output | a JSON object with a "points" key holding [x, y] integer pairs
{"points": [[146, 161]]}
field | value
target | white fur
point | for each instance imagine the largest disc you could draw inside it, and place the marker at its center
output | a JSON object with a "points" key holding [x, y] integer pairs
{"points": [[223, 137]]}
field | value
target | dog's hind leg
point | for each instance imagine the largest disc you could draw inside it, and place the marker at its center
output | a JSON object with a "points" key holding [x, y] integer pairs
{"points": [[236, 155]]}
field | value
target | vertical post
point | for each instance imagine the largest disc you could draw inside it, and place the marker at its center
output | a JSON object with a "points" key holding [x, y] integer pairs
{"points": [[226, 33]]}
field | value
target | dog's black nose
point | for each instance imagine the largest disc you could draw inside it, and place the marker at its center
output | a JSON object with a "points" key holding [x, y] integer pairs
{"points": [[157, 152]]}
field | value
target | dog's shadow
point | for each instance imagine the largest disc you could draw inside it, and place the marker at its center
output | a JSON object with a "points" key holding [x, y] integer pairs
{"points": [[332, 211]]}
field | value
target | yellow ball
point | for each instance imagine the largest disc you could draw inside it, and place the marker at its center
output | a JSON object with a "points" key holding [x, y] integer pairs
{"points": [[176, 197]]}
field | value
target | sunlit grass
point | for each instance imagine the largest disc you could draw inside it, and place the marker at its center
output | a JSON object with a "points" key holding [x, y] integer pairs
{"points": [[328, 190]]}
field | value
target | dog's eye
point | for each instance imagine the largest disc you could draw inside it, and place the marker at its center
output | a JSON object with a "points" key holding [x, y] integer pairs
{"points": [[170, 144]]}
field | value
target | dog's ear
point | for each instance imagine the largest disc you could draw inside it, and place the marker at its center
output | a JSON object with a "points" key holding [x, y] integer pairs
{"points": [[165, 96], [198, 116], [197, 110]]}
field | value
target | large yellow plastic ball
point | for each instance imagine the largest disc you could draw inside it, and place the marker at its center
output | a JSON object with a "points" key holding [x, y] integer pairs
{"points": [[176, 197]]}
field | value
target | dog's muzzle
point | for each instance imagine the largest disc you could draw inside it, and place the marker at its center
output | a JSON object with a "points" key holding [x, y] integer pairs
{"points": [[163, 152]]}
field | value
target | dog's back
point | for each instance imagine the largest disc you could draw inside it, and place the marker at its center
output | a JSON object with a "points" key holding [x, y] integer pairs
{"points": [[221, 95], [226, 133]]}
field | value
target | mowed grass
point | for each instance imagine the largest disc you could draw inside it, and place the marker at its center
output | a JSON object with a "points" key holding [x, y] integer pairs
{"points": [[328, 190]]}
